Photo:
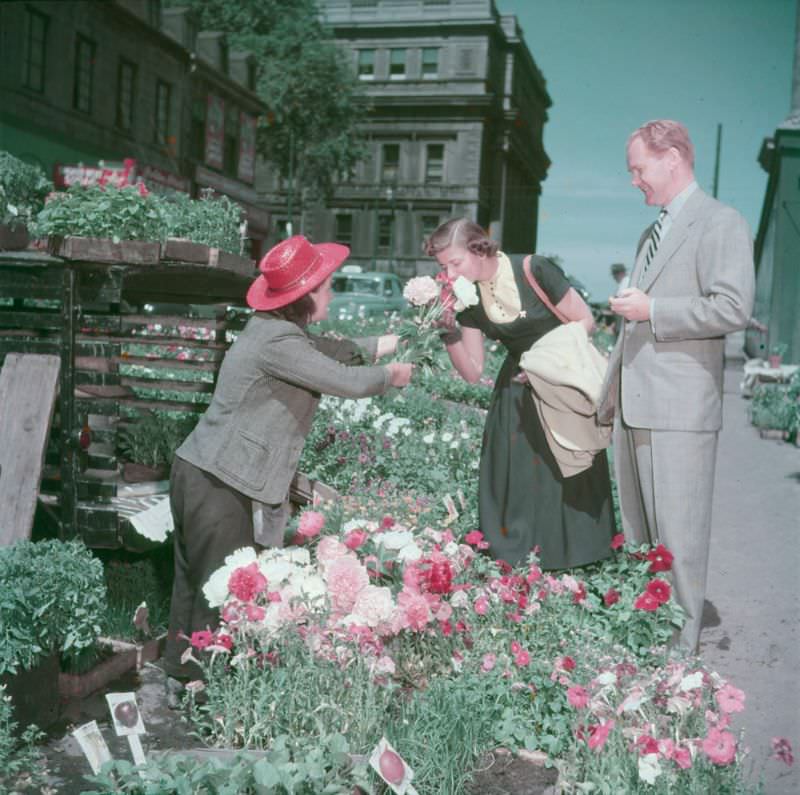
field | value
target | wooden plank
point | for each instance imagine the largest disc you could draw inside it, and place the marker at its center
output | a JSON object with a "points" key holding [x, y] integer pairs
{"points": [[187, 251], [28, 385], [96, 249], [46, 319]]}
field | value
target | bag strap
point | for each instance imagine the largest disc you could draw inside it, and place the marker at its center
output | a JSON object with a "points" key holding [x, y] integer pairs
{"points": [[539, 290]]}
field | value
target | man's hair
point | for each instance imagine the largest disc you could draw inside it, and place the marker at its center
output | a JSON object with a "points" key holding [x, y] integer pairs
{"points": [[618, 267], [663, 134], [463, 233]]}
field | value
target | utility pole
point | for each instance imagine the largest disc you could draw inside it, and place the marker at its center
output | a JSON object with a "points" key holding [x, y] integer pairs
{"points": [[716, 161]]}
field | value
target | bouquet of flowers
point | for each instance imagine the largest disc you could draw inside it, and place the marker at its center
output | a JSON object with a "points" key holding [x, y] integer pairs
{"points": [[436, 301]]}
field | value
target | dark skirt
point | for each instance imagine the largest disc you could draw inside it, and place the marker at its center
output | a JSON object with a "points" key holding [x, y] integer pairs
{"points": [[524, 502]]}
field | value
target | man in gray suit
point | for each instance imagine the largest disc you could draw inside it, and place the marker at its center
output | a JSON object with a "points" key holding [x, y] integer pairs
{"points": [[692, 283]]}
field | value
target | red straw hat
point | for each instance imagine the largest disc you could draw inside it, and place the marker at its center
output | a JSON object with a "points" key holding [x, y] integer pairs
{"points": [[293, 268]]}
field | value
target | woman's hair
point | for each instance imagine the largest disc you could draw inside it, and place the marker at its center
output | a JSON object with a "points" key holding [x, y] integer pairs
{"points": [[663, 134], [463, 233], [298, 311]]}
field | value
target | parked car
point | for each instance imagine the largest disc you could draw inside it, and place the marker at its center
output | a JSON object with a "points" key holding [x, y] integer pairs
{"points": [[359, 293]]}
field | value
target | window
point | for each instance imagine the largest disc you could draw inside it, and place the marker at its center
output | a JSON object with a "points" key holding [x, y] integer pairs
{"points": [[197, 141], [344, 229], [366, 64], [465, 61], [162, 111], [430, 223], [397, 64], [126, 89], [230, 159], [36, 50], [390, 162], [84, 75], [430, 62], [434, 163], [385, 229]]}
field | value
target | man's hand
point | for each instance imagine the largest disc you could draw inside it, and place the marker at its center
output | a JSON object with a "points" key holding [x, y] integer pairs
{"points": [[631, 303], [399, 373], [387, 344]]}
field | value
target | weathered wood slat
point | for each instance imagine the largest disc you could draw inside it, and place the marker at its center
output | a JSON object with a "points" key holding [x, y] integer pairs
{"points": [[29, 320], [95, 249], [28, 386]]}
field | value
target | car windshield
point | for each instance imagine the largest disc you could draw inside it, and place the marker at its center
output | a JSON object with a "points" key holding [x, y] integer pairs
{"points": [[363, 285]]}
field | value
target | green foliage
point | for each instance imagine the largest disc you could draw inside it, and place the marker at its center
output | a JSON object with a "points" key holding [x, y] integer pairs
{"points": [[153, 439], [22, 190], [305, 80], [777, 406], [52, 599], [130, 213], [21, 766]]}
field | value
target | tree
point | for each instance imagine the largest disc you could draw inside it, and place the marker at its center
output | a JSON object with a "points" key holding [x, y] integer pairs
{"points": [[310, 90]]}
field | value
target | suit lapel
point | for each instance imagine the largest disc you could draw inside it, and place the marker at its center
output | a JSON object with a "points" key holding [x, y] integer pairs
{"points": [[675, 238]]}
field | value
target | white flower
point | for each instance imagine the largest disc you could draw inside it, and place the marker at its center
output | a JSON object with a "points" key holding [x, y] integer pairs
{"points": [[691, 682], [453, 445], [394, 539], [606, 678], [447, 437], [465, 292], [421, 290], [409, 552], [353, 524], [459, 600], [428, 438], [649, 769]]}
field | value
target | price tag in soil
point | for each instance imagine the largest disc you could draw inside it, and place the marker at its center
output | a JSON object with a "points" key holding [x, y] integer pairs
{"points": [[389, 765], [128, 722], [93, 745]]}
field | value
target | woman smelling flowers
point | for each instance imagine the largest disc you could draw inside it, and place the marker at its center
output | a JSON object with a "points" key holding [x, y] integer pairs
{"points": [[524, 502]]}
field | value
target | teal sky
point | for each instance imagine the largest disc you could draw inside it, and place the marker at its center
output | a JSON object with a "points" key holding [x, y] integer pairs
{"points": [[611, 65]]}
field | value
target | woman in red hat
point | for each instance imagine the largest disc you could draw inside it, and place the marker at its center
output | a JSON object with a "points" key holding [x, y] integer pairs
{"points": [[229, 486]]}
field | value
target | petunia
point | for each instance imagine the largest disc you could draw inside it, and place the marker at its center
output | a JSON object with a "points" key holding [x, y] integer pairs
{"points": [[720, 747], [783, 751], [730, 699], [599, 735]]}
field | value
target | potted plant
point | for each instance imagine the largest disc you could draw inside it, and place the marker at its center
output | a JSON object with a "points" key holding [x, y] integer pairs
{"points": [[22, 193], [149, 445], [776, 354]]}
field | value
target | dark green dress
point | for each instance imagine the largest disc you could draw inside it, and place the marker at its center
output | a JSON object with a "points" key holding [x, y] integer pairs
{"points": [[524, 502]]}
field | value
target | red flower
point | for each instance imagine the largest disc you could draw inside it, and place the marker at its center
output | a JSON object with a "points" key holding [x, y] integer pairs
{"points": [[440, 576], [646, 601], [783, 751], [201, 639], [611, 597], [659, 590], [226, 641], [646, 745], [577, 696], [474, 537], [618, 541], [387, 522], [522, 658], [579, 595], [247, 581], [660, 559], [599, 734]]}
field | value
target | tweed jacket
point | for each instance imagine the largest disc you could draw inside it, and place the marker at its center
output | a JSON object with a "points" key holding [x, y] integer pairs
{"points": [[269, 385], [668, 375]]}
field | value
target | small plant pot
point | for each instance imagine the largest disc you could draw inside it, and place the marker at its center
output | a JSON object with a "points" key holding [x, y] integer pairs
{"points": [[774, 361], [140, 473], [13, 238]]}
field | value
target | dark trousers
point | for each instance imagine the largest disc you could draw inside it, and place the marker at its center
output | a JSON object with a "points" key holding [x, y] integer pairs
{"points": [[211, 521]]}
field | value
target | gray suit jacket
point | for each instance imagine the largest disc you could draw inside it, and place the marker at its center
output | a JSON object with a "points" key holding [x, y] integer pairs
{"points": [[252, 434], [702, 280]]}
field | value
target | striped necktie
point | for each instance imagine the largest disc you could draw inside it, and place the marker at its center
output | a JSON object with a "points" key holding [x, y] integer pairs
{"points": [[653, 241]]}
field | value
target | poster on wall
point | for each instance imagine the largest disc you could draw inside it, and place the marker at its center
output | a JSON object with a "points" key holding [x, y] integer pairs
{"points": [[247, 148], [215, 132]]}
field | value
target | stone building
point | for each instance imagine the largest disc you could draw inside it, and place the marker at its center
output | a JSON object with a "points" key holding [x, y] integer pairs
{"points": [[456, 111], [83, 82]]}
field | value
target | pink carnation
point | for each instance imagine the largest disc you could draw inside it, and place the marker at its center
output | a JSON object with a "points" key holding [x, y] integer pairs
{"points": [[481, 605], [355, 538], [730, 699], [488, 662], [330, 549], [247, 581], [414, 610], [345, 578], [522, 658], [578, 697], [311, 522], [599, 735], [421, 290], [720, 747]]}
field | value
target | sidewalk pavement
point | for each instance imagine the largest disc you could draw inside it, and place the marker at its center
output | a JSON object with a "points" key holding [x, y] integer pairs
{"points": [[751, 634]]}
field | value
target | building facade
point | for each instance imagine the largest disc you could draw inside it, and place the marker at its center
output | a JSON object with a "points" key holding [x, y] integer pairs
{"points": [[86, 82], [457, 107]]}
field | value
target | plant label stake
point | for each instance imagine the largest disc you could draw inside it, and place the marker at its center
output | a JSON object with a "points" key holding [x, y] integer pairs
{"points": [[93, 745], [128, 722], [391, 767]]}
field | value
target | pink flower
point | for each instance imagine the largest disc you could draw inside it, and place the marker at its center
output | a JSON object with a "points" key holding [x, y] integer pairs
{"points": [[666, 748], [311, 522], [720, 747], [481, 605], [440, 576], [488, 662], [226, 641], [618, 541], [578, 697], [580, 595], [534, 574], [516, 647], [345, 578], [247, 581], [682, 757], [730, 699], [355, 538], [330, 549], [421, 290], [230, 613], [646, 601], [522, 658], [783, 751], [566, 663], [660, 590], [474, 538], [646, 744], [611, 597], [414, 610], [201, 639], [599, 734], [255, 612], [660, 559]]}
